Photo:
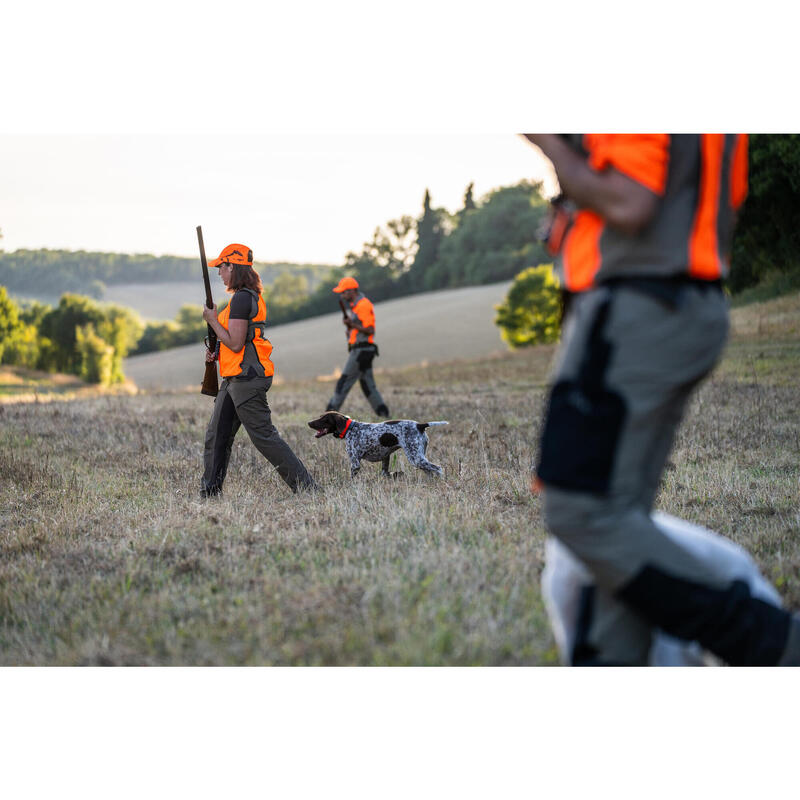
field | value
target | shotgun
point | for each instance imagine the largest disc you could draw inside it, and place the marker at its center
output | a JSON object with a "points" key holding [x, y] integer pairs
{"points": [[210, 384], [346, 319]]}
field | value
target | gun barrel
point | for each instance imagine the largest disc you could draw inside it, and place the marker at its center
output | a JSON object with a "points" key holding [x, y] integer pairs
{"points": [[206, 281], [210, 384]]}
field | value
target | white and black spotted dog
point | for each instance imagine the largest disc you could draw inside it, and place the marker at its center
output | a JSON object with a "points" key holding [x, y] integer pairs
{"points": [[377, 441]]}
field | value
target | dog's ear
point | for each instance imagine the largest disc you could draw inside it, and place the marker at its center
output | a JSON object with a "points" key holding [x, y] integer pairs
{"points": [[339, 421]]}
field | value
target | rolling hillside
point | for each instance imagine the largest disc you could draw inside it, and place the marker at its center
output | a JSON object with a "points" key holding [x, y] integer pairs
{"points": [[428, 328], [156, 301]]}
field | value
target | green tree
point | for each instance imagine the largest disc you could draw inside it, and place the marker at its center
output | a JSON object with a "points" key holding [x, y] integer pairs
{"points": [[9, 315], [469, 202], [60, 324], [767, 239], [531, 312], [96, 289], [494, 241], [32, 311], [19, 343], [159, 336], [67, 350], [22, 348], [96, 356], [121, 329], [383, 261], [287, 291], [431, 229], [190, 325]]}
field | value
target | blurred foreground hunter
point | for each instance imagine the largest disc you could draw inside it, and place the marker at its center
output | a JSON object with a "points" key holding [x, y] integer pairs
{"points": [[645, 234], [246, 369], [359, 319]]}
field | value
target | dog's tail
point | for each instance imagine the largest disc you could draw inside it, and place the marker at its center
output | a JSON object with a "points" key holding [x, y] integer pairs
{"points": [[422, 425]]}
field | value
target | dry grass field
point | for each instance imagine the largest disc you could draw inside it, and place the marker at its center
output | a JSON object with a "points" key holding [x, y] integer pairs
{"points": [[107, 556]]}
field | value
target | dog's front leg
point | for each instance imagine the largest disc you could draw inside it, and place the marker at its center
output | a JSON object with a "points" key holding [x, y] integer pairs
{"points": [[355, 461]]}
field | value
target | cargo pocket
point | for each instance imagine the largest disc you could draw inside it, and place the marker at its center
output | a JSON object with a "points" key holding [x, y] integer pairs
{"points": [[583, 423], [250, 390], [365, 358]]}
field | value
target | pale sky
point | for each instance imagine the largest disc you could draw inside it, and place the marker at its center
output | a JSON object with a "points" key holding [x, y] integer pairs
{"points": [[104, 113], [299, 198]]}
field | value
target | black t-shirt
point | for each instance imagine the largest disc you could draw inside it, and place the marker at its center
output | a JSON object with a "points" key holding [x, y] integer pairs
{"points": [[241, 308], [241, 305]]}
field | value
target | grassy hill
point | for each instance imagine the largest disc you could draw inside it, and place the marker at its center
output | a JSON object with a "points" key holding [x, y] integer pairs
{"points": [[432, 327], [156, 301], [108, 557]]}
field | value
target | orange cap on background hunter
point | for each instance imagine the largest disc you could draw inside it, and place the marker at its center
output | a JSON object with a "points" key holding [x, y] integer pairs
{"points": [[234, 254], [344, 284]]}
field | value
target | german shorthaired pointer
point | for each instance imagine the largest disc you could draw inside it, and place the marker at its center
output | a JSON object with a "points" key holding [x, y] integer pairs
{"points": [[377, 441]]}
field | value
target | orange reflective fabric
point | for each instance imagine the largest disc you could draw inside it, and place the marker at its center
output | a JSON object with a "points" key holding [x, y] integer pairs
{"points": [[581, 257], [230, 363], [739, 171], [703, 243], [365, 312], [644, 157]]}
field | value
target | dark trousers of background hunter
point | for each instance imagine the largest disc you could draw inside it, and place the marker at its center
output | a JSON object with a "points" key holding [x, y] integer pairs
{"points": [[358, 368], [628, 363], [245, 403]]}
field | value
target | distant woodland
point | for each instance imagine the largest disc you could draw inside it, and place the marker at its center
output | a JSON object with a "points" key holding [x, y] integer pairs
{"points": [[28, 272]]}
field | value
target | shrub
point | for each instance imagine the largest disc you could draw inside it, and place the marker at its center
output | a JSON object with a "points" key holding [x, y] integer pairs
{"points": [[96, 356], [531, 311]]}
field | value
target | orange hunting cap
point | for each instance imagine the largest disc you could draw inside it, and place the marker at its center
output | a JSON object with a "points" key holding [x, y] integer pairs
{"points": [[344, 284], [234, 254]]}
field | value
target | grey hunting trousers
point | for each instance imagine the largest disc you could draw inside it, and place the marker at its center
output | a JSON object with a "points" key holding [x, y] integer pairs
{"points": [[245, 403], [357, 368], [628, 363]]}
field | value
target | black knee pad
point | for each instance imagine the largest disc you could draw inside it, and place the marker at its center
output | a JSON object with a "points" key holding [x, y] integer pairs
{"points": [[729, 621], [364, 387]]}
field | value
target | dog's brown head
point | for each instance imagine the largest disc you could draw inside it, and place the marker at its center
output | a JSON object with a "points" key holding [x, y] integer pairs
{"points": [[329, 422]]}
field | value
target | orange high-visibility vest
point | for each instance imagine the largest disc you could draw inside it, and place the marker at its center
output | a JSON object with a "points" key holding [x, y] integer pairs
{"points": [[365, 312], [701, 182], [257, 349]]}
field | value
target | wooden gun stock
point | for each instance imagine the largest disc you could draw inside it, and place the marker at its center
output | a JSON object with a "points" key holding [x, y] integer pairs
{"points": [[210, 384]]}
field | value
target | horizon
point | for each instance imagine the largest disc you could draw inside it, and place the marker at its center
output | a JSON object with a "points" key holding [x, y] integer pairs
{"points": [[303, 199]]}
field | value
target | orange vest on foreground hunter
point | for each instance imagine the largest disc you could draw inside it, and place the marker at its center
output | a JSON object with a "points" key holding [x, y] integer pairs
{"points": [[701, 180], [257, 349]]}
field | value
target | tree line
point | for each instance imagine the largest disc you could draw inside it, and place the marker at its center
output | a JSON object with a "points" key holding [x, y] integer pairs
{"points": [[766, 246], [27, 272], [485, 241]]}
